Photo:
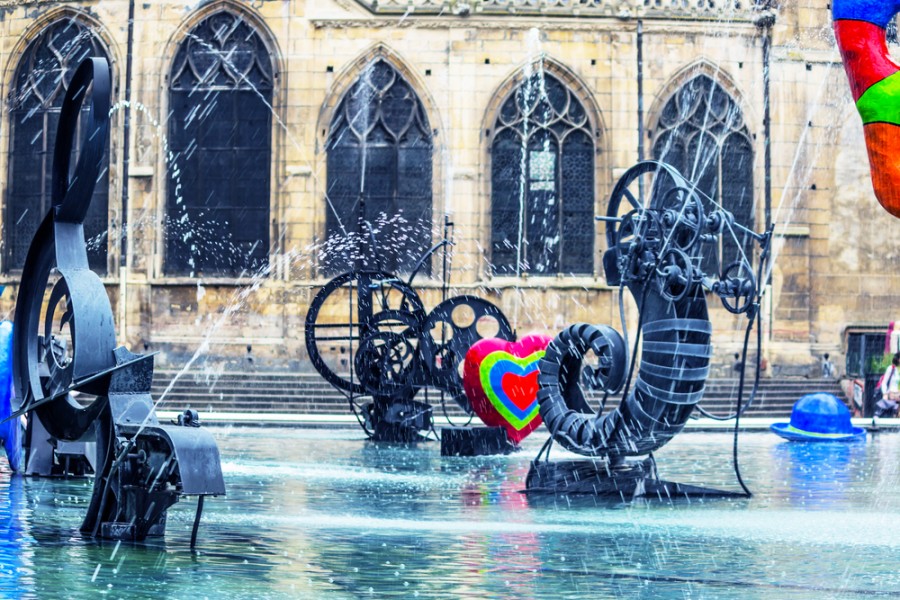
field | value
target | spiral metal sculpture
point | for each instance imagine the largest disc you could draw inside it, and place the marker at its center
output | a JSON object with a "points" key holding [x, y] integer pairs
{"points": [[67, 355], [656, 252]]}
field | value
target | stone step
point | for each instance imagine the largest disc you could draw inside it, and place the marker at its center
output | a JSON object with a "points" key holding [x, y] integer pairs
{"points": [[712, 387], [342, 406], [326, 388], [255, 376], [157, 391], [234, 391], [163, 378], [438, 413], [295, 403], [432, 396], [243, 391], [308, 393]]}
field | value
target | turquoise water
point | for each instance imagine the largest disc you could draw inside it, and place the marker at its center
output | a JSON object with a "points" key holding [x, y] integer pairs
{"points": [[325, 514]]}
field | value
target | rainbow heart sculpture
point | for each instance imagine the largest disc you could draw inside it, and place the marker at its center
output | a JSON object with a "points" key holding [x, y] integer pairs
{"points": [[500, 380]]}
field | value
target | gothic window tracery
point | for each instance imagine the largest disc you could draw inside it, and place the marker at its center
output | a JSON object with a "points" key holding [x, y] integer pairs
{"points": [[379, 166], [42, 78], [220, 137], [702, 133], [542, 181]]}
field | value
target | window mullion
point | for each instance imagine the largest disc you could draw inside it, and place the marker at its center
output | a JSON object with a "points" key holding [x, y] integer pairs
{"points": [[560, 214]]}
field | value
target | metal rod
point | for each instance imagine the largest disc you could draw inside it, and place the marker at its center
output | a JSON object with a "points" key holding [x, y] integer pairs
{"points": [[126, 135], [445, 274], [757, 236], [442, 244], [197, 521], [640, 89], [445, 286], [767, 122], [126, 162]]}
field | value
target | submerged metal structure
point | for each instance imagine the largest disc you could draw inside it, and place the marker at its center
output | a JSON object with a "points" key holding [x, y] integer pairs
{"points": [[68, 371], [657, 226]]}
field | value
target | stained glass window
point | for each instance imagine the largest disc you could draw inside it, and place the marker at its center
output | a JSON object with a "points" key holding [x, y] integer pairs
{"points": [[42, 78], [220, 137], [542, 176], [702, 133], [379, 197]]}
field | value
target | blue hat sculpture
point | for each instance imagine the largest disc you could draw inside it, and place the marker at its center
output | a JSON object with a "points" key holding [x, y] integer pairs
{"points": [[819, 417]]}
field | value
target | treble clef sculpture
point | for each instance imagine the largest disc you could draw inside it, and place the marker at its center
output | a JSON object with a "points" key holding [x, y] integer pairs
{"points": [[657, 225], [68, 355]]}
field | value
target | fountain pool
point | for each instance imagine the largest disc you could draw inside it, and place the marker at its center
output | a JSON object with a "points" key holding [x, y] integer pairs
{"points": [[323, 513]]}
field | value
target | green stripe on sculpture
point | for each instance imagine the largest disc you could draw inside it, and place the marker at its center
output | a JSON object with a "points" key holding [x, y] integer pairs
{"points": [[881, 102], [814, 434], [489, 388]]}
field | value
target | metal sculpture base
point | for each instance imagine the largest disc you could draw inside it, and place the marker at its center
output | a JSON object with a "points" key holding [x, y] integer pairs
{"points": [[145, 466], [475, 441], [398, 421], [48, 457], [628, 480]]}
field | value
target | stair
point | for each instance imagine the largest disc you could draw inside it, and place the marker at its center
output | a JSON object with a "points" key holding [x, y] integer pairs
{"points": [[309, 394]]}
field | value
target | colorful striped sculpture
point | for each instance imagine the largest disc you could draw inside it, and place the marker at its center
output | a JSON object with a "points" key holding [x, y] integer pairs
{"points": [[500, 381], [860, 28]]}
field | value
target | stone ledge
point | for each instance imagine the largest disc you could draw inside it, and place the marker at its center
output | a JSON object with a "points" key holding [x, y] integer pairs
{"points": [[622, 9]]}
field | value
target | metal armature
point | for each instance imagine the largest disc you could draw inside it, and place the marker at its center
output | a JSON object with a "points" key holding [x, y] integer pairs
{"points": [[67, 368], [656, 226], [395, 348]]}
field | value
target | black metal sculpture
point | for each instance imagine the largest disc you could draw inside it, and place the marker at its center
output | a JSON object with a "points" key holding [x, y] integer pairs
{"points": [[655, 250], [68, 370], [395, 348]]}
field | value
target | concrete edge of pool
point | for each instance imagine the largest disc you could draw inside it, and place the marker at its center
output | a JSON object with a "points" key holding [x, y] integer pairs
{"points": [[346, 420]]}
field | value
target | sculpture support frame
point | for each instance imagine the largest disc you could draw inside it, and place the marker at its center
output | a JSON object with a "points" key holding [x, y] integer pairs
{"points": [[394, 350]]}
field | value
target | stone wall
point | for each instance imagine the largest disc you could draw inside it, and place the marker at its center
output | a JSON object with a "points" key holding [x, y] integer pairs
{"points": [[835, 246]]}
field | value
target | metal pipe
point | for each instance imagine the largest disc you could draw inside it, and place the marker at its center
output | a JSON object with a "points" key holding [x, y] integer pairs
{"points": [[767, 122], [767, 23], [640, 88], [122, 304], [126, 135]]}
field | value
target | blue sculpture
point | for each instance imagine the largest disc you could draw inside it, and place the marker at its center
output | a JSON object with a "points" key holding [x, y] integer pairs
{"points": [[10, 431], [819, 417]]}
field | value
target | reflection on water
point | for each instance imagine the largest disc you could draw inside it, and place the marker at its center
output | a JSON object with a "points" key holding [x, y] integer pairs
{"points": [[821, 474], [325, 514]]}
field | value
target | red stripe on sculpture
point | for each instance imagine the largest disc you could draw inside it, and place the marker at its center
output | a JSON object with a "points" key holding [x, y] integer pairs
{"points": [[865, 54], [859, 28]]}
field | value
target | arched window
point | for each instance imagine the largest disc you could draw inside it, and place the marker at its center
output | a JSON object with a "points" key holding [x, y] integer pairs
{"points": [[702, 133], [380, 172], [42, 78], [220, 136], [542, 181]]}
